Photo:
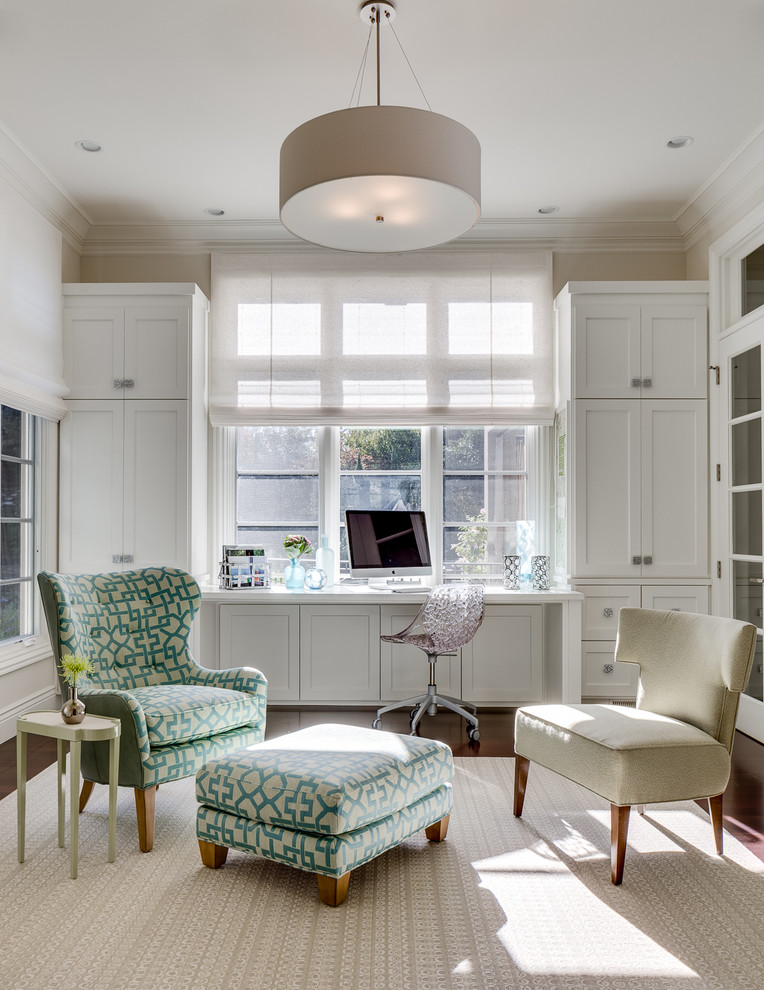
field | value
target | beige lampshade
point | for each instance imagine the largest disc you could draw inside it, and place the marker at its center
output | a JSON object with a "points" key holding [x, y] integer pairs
{"points": [[380, 178]]}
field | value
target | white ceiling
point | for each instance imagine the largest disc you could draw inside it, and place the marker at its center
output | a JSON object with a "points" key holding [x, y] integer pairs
{"points": [[573, 101]]}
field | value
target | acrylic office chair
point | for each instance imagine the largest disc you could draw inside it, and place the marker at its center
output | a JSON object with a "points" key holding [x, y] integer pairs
{"points": [[448, 619]]}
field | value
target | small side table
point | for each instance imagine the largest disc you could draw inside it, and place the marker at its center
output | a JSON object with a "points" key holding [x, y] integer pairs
{"points": [[93, 728]]}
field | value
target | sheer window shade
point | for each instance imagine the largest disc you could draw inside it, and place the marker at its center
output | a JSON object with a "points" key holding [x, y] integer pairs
{"points": [[327, 337]]}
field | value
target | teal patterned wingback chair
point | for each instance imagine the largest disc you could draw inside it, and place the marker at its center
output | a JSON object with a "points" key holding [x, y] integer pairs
{"points": [[175, 714]]}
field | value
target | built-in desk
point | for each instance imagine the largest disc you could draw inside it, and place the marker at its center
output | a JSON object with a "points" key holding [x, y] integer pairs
{"points": [[324, 648]]}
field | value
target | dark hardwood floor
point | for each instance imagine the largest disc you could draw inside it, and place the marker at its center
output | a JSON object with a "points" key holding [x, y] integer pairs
{"points": [[743, 801]]}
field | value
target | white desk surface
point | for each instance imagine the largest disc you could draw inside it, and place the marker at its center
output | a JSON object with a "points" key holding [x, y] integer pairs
{"points": [[343, 593]]}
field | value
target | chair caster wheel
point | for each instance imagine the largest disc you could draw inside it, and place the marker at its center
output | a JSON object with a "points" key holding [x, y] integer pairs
{"points": [[474, 734], [377, 723]]}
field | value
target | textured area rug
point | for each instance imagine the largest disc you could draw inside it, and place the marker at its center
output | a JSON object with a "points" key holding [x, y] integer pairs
{"points": [[502, 903]]}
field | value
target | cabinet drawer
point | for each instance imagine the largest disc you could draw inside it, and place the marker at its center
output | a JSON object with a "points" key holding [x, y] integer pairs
{"points": [[602, 676], [676, 599], [266, 637], [601, 607]]}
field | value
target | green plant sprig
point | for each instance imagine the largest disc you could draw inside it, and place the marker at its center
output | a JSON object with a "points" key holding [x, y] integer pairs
{"points": [[74, 668]]}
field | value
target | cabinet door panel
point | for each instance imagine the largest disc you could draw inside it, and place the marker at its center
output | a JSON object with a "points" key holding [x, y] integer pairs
{"points": [[156, 513], [94, 342], [675, 488], [403, 669], [607, 352], [674, 352], [503, 662], [339, 653], [607, 515], [91, 497], [156, 352], [266, 637]]}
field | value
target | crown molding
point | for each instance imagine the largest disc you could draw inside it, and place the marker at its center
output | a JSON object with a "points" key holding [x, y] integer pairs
{"points": [[193, 237], [37, 186], [737, 184]]}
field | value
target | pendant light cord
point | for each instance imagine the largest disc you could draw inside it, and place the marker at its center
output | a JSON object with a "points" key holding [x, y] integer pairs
{"points": [[358, 85]]}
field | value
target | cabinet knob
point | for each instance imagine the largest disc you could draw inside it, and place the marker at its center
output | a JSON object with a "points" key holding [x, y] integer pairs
{"points": [[647, 560], [636, 560], [608, 668], [608, 613], [647, 383], [127, 558], [116, 558], [117, 383], [636, 383], [129, 383]]}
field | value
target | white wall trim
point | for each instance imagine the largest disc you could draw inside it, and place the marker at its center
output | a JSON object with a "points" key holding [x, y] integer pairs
{"points": [[45, 700]]}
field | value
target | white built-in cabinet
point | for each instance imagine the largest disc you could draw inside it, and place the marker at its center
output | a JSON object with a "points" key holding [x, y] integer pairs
{"points": [[632, 504], [133, 445], [323, 651]]}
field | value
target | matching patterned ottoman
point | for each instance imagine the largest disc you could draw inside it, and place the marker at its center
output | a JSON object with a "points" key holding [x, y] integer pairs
{"points": [[326, 799]]}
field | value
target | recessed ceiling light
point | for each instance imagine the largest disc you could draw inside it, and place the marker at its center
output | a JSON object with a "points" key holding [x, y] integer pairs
{"points": [[546, 210], [214, 212], [680, 141], [87, 145]]}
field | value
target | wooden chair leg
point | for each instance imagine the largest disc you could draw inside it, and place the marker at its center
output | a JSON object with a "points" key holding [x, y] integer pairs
{"points": [[715, 810], [521, 779], [212, 855], [619, 829], [145, 807], [87, 790], [333, 890], [438, 830]]}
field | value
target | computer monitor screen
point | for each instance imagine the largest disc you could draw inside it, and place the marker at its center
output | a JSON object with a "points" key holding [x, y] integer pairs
{"points": [[387, 544]]}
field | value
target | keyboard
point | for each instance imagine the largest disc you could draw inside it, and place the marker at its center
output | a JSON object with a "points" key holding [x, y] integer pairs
{"points": [[410, 589]]}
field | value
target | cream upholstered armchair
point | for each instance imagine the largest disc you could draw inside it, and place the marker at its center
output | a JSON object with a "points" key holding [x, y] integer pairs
{"points": [[674, 746], [175, 714]]}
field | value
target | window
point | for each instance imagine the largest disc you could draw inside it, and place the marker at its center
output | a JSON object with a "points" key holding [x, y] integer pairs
{"points": [[473, 482], [18, 523]]}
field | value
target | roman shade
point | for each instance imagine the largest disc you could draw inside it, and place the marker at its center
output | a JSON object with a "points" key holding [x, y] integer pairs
{"points": [[425, 337]]}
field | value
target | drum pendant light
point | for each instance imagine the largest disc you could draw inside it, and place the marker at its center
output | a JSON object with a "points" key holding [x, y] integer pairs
{"points": [[380, 178]]}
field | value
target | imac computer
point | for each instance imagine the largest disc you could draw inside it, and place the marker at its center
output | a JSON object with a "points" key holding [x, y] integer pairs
{"points": [[389, 547]]}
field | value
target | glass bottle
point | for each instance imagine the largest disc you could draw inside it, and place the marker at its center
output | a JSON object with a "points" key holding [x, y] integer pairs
{"points": [[325, 560]]}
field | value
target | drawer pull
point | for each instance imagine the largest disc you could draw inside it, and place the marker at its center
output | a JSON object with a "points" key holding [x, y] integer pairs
{"points": [[607, 613], [636, 560], [608, 668]]}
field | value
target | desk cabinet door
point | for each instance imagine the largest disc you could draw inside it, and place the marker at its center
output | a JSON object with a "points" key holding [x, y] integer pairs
{"points": [[339, 653], [502, 665], [404, 671], [266, 637]]}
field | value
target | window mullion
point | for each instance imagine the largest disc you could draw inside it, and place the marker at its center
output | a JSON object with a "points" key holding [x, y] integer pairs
{"points": [[329, 484]]}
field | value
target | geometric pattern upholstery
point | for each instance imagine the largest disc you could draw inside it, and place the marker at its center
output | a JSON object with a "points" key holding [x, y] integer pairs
{"points": [[324, 799], [134, 626], [325, 779]]}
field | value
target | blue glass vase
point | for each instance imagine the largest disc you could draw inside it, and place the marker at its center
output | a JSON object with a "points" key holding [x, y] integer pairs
{"points": [[294, 575]]}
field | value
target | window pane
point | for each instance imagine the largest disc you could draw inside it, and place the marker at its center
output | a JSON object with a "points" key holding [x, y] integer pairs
{"points": [[490, 328], [746, 382], [463, 448], [753, 280], [380, 491], [272, 539], [285, 329], [464, 497], [755, 686], [746, 453], [277, 448], [505, 448], [747, 591], [746, 523], [10, 473], [10, 611], [380, 449], [382, 328], [11, 432], [10, 551], [279, 498]]}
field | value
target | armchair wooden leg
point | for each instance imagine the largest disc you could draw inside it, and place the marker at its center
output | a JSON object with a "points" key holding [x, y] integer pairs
{"points": [[715, 810], [619, 829], [212, 855], [87, 790], [521, 779], [333, 890], [438, 830], [145, 807]]}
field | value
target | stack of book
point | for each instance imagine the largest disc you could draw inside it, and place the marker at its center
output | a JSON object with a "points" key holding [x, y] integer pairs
{"points": [[244, 567]]}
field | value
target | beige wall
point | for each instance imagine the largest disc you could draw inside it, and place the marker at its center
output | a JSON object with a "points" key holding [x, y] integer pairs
{"points": [[568, 267], [147, 268]]}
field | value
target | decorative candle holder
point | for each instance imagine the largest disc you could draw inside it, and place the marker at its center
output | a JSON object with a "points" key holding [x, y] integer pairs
{"points": [[540, 573], [512, 562]]}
